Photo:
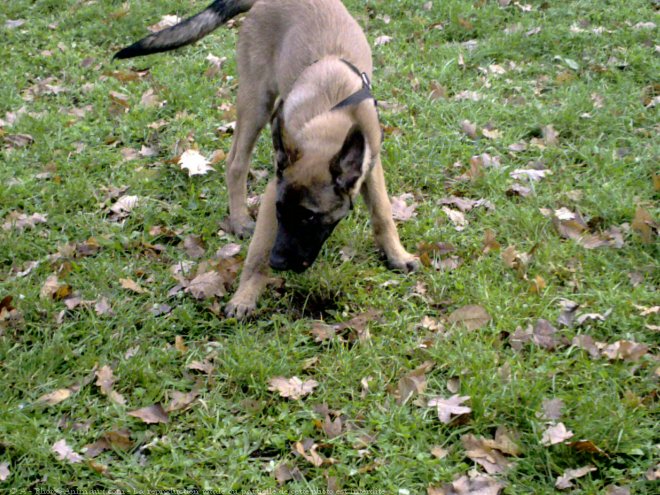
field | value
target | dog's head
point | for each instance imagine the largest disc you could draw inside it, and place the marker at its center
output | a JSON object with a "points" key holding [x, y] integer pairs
{"points": [[317, 181]]}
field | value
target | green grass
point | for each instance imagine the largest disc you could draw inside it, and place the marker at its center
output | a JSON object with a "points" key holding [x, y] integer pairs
{"points": [[238, 431]]}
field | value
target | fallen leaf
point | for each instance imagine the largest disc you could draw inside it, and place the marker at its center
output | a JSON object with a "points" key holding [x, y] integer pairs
{"points": [[438, 452], [413, 383], [484, 451], [194, 246], [181, 400], [565, 480], [642, 224], [203, 366], [151, 414], [382, 40], [310, 454], [469, 129], [123, 206], [56, 397], [165, 22], [133, 286], [207, 285], [150, 99], [65, 453], [468, 95], [531, 174], [456, 217], [194, 163], [625, 350], [332, 428], [472, 316], [53, 289], [21, 221], [449, 407], [4, 471], [18, 140], [474, 483], [555, 434], [550, 135], [105, 380], [228, 251], [401, 211], [291, 388]]}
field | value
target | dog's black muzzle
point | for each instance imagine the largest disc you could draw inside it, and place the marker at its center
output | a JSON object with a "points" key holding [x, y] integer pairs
{"points": [[297, 252]]}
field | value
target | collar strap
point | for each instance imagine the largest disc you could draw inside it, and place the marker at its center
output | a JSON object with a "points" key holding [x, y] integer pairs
{"points": [[364, 93]]}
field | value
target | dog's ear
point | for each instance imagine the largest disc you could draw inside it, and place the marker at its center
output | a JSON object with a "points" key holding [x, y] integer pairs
{"points": [[346, 166], [285, 153]]}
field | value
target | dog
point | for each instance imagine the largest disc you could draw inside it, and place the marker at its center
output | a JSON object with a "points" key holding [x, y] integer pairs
{"points": [[305, 65]]}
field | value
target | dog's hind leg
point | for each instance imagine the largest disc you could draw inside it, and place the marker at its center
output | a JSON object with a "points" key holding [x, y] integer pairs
{"points": [[374, 192], [253, 110]]}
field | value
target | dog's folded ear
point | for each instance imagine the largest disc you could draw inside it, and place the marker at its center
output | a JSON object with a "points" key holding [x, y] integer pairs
{"points": [[347, 165], [286, 153]]}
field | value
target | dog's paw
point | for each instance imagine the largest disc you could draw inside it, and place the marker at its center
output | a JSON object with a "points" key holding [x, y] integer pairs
{"points": [[242, 228], [239, 309], [405, 264]]}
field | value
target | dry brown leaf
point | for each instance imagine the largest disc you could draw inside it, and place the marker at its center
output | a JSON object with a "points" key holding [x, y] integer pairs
{"points": [[65, 453], [382, 40], [322, 331], [194, 246], [438, 452], [414, 382], [643, 224], [472, 316], [133, 286], [447, 408], [310, 454], [401, 211], [530, 174], [456, 217], [165, 22], [470, 129], [625, 350], [192, 161], [550, 135], [21, 221], [207, 285], [56, 397], [291, 388], [485, 452], [123, 207], [587, 446], [555, 434], [204, 366], [53, 289], [565, 480], [332, 428], [151, 414], [105, 380], [474, 483], [181, 400]]}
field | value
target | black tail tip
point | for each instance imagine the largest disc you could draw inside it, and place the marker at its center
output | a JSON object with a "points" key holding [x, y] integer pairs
{"points": [[135, 50]]}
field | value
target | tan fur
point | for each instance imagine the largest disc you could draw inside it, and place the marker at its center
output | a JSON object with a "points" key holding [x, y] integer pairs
{"points": [[293, 49]]}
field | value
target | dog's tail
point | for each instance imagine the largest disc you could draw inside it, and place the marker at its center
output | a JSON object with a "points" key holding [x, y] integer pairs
{"points": [[189, 30]]}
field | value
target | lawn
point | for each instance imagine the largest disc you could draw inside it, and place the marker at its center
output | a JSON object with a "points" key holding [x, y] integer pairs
{"points": [[522, 155]]}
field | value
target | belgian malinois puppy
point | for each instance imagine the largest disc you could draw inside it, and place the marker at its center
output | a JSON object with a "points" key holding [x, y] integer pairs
{"points": [[306, 65]]}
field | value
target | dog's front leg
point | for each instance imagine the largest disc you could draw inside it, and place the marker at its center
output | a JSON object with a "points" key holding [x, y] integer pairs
{"points": [[256, 271], [375, 195]]}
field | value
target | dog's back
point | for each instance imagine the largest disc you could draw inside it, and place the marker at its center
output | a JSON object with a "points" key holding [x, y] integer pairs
{"points": [[286, 36]]}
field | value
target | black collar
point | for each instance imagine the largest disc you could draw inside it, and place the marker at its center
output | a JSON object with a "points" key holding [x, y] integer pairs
{"points": [[364, 93]]}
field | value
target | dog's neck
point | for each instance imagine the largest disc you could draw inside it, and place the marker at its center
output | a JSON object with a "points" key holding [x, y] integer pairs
{"points": [[326, 84]]}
